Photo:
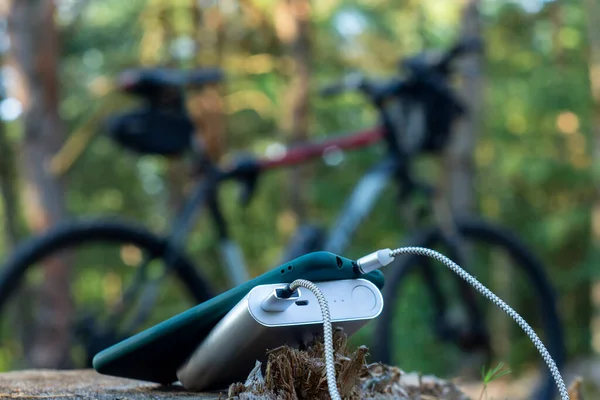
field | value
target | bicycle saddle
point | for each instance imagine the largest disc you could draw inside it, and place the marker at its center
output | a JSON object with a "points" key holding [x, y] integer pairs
{"points": [[147, 82]]}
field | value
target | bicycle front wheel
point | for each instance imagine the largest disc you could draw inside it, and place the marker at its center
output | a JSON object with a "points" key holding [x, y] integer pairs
{"points": [[499, 261], [113, 266]]}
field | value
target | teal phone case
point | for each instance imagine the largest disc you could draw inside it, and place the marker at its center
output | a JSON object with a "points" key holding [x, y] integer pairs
{"points": [[155, 354]]}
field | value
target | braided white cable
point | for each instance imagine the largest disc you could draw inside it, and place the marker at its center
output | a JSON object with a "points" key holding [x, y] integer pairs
{"points": [[471, 280], [327, 334]]}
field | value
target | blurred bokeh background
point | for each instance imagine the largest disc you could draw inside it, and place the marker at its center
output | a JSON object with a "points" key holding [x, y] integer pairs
{"points": [[526, 154]]}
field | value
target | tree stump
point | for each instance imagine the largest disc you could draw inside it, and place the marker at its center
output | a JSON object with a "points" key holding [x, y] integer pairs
{"points": [[289, 374], [87, 384]]}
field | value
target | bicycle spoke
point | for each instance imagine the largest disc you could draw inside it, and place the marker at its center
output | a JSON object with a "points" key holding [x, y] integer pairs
{"points": [[147, 300], [436, 293], [126, 300], [460, 251]]}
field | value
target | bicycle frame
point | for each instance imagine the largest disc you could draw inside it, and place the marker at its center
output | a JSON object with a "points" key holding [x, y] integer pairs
{"points": [[204, 192], [360, 203]]}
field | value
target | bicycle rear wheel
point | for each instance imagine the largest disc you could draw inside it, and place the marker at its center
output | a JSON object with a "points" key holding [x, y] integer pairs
{"points": [[104, 258], [500, 262]]}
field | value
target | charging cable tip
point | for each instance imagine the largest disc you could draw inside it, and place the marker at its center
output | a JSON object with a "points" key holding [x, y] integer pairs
{"points": [[374, 261], [280, 299]]}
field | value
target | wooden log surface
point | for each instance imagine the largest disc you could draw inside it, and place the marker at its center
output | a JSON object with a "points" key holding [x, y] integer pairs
{"points": [[87, 384]]}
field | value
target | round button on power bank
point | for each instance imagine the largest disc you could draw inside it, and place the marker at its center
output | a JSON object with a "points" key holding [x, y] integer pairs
{"points": [[363, 298]]}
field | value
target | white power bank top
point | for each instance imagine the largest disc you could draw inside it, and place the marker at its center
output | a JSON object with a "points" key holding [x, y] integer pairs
{"points": [[247, 332]]}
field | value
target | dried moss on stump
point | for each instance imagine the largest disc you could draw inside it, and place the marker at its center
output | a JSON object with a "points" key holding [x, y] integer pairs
{"points": [[300, 374]]}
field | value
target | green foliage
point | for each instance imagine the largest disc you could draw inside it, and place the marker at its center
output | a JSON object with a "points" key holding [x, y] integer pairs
{"points": [[490, 375]]}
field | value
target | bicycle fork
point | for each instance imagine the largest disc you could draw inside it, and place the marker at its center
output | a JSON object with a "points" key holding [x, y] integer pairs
{"points": [[231, 254]]}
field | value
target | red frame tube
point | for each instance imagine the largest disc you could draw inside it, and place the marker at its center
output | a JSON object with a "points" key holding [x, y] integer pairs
{"points": [[302, 153]]}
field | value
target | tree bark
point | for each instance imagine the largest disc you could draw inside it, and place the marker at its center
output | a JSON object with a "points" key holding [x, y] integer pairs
{"points": [[460, 157], [10, 208], [207, 108], [8, 177], [34, 56], [292, 23], [593, 14]]}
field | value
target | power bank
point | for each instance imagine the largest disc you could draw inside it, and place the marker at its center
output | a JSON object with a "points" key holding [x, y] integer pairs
{"points": [[156, 353], [247, 332]]}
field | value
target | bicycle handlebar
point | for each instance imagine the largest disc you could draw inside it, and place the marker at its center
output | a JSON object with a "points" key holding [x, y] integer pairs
{"points": [[375, 90], [353, 81], [467, 45], [417, 65]]}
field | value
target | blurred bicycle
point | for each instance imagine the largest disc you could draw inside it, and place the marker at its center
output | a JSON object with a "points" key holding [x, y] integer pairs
{"points": [[416, 117]]}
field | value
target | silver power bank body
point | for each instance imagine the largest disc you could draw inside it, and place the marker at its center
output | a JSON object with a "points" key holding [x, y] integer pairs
{"points": [[247, 332]]}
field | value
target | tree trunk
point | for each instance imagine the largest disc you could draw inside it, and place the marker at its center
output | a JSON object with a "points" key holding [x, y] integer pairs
{"points": [[292, 22], [8, 178], [460, 161], [34, 56], [593, 14], [206, 106], [7, 188]]}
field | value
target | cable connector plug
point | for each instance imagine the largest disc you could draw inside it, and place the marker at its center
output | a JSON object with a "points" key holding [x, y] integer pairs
{"points": [[375, 260], [280, 299]]}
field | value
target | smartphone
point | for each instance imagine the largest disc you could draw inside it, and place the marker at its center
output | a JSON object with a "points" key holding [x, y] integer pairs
{"points": [[247, 332], [156, 353]]}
